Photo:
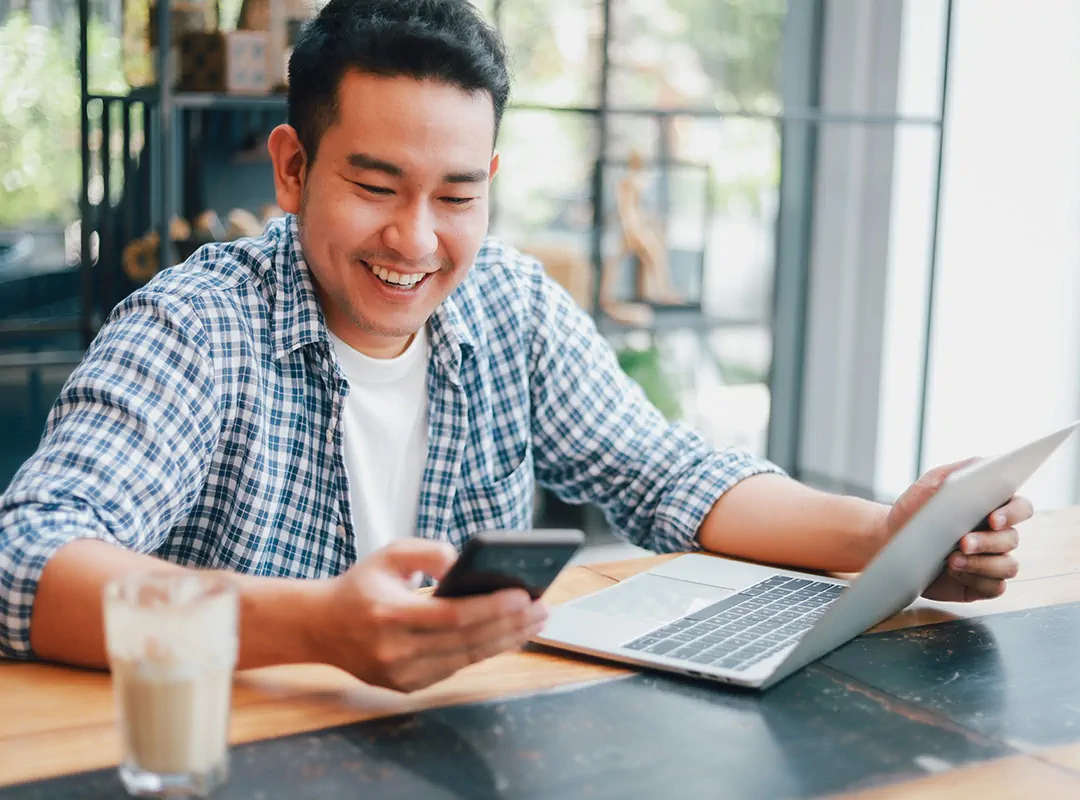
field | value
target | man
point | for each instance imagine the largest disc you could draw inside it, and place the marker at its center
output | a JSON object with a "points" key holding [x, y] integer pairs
{"points": [[329, 409]]}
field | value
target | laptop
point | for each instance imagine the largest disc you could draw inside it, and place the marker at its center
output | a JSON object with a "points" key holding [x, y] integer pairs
{"points": [[751, 625]]}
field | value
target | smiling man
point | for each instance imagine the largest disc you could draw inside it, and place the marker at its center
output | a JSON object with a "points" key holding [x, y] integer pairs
{"points": [[341, 403]]}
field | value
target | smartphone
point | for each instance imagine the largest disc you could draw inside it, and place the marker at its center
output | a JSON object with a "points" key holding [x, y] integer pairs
{"points": [[494, 560]]}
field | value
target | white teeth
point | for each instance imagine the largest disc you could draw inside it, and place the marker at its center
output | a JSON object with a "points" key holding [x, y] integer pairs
{"points": [[394, 277]]}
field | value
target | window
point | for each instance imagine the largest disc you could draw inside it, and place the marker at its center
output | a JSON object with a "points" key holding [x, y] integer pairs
{"points": [[672, 90]]}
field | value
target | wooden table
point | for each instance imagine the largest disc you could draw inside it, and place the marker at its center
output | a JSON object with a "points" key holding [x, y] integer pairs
{"points": [[59, 720]]}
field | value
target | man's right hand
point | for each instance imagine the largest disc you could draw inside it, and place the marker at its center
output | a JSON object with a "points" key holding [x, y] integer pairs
{"points": [[373, 625]]}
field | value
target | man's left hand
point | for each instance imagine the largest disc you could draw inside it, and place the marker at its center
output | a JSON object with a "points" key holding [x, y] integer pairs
{"points": [[983, 560]]}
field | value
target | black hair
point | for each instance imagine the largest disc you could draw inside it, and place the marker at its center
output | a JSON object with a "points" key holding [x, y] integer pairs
{"points": [[443, 40]]}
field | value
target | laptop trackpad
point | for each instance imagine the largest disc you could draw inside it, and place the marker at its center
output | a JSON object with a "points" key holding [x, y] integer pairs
{"points": [[652, 597]]}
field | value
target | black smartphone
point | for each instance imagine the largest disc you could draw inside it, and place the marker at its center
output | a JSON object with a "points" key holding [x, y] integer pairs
{"points": [[494, 560]]}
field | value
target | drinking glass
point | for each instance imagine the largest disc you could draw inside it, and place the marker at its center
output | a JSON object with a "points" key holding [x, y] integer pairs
{"points": [[171, 639]]}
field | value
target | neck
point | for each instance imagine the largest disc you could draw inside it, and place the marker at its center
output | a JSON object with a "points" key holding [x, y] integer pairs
{"points": [[373, 346]]}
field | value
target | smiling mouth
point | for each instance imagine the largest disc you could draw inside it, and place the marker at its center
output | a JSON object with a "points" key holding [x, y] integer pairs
{"points": [[397, 280]]}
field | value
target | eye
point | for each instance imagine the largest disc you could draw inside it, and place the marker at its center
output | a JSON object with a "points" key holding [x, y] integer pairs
{"points": [[458, 201], [382, 191]]}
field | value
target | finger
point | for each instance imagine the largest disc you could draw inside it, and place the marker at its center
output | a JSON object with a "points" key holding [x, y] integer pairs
{"points": [[410, 556], [987, 566], [1017, 510], [989, 542], [446, 613], [977, 588], [937, 475], [434, 667], [511, 641], [489, 643], [475, 637]]}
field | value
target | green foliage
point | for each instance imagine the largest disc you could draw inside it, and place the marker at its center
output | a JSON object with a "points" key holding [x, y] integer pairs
{"points": [[725, 53], [740, 40], [736, 373], [750, 163], [644, 367], [39, 118], [690, 52], [664, 53]]}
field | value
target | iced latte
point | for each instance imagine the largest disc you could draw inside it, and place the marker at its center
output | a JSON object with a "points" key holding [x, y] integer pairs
{"points": [[172, 642]]}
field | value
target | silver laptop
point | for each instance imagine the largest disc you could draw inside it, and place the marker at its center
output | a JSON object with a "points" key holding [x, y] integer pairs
{"points": [[752, 625]]}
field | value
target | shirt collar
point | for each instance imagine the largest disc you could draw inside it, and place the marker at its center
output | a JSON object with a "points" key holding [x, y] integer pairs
{"points": [[452, 339], [298, 318]]}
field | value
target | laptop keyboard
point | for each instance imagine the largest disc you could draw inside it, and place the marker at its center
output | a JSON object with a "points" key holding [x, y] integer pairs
{"points": [[745, 628]]}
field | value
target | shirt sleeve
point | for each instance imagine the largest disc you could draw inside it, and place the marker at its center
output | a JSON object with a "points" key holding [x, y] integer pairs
{"points": [[598, 439], [125, 451]]}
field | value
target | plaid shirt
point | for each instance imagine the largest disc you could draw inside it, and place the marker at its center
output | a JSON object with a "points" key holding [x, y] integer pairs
{"points": [[203, 426]]}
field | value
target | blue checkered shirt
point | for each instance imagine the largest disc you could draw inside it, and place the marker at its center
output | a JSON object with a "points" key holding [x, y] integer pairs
{"points": [[203, 426]]}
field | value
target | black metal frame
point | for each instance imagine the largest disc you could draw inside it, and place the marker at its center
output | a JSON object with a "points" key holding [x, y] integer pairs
{"points": [[920, 442], [85, 265], [794, 230]]}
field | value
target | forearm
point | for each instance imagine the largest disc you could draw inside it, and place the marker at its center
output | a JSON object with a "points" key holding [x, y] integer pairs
{"points": [[66, 624], [776, 520]]}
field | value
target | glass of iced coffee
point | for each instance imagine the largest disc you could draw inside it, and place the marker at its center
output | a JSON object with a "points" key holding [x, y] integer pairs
{"points": [[171, 639]]}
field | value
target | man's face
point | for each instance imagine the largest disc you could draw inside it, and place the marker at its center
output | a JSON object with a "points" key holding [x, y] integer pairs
{"points": [[395, 206]]}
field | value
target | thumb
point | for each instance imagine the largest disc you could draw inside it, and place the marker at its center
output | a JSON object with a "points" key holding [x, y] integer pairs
{"points": [[937, 476], [409, 556], [920, 492]]}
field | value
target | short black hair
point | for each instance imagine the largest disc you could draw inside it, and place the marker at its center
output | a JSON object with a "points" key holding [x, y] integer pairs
{"points": [[443, 40]]}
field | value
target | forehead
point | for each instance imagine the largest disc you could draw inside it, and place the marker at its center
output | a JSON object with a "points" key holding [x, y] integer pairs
{"points": [[414, 123]]}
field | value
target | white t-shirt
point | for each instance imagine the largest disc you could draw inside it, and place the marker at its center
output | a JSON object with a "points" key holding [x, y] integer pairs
{"points": [[385, 432]]}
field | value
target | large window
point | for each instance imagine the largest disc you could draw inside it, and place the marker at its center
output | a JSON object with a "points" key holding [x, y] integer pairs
{"points": [[867, 252], [683, 97], [41, 164], [942, 250], [40, 171], [1004, 351]]}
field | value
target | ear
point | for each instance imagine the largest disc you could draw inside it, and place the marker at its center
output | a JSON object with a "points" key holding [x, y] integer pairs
{"points": [[494, 168], [290, 167]]}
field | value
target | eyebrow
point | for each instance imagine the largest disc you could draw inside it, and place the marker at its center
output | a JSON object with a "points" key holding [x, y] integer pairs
{"points": [[364, 161], [472, 176]]}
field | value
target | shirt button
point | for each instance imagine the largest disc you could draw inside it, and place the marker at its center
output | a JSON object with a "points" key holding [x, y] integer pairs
{"points": [[330, 435], [341, 531]]}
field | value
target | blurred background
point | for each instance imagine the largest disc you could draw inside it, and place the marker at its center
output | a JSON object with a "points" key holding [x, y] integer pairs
{"points": [[866, 213]]}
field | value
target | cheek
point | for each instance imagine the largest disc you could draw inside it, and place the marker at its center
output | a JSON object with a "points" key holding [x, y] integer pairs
{"points": [[347, 219], [327, 240], [341, 226], [464, 236], [336, 209]]}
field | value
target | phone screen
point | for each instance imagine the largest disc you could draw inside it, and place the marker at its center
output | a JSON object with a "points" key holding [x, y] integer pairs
{"points": [[489, 563]]}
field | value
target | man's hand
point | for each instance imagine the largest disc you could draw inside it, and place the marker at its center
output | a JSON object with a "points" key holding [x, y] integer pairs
{"points": [[373, 625], [983, 560]]}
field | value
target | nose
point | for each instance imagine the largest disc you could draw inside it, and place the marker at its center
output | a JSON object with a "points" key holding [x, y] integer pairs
{"points": [[411, 233]]}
